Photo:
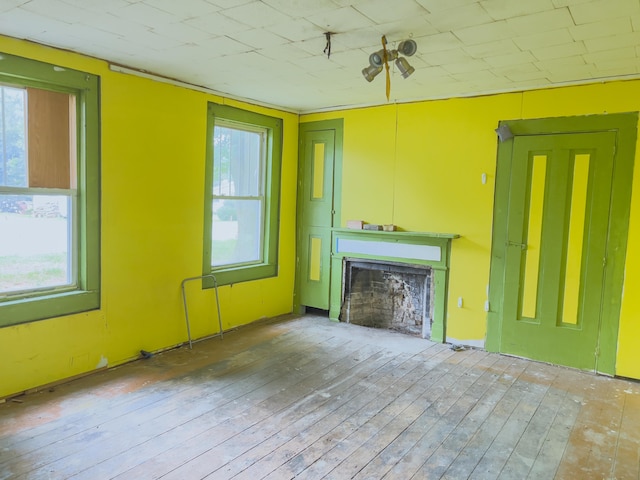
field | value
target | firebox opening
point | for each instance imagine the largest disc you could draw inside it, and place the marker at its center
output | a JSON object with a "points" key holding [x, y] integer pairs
{"points": [[381, 294]]}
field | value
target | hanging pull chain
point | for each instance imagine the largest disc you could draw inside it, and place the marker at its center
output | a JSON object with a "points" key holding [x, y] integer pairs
{"points": [[385, 59]]}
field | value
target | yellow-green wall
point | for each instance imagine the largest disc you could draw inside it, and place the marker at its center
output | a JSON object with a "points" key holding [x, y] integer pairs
{"points": [[153, 153], [420, 166]]}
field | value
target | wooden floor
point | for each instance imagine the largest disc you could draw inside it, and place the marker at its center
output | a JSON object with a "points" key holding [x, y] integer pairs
{"points": [[310, 399]]}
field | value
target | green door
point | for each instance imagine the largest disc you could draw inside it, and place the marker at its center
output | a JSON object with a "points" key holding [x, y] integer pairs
{"points": [[315, 217], [559, 199]]}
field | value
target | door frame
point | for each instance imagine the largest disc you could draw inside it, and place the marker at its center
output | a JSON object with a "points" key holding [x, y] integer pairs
{"points": [[625, 126], [337, 125]]}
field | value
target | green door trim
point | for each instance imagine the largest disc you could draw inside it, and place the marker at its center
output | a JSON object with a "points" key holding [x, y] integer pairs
{"points": [[337, 125], [625, 127]]}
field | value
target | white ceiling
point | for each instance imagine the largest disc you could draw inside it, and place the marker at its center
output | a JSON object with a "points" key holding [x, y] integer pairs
{"points": [[271, 51]]}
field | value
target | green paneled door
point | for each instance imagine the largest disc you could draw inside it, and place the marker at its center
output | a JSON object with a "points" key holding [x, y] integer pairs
{"points": [[315, 218], [559, 199]]}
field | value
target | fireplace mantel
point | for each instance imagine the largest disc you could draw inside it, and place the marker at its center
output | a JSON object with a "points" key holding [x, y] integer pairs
{"points": [[419, 248]]}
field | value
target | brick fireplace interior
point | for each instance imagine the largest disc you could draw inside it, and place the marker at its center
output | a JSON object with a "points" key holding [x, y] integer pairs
{"points": [[394, 296]]}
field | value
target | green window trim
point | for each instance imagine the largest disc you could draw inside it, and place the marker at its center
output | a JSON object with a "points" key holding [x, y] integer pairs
{"points": [[50, 303], [226, 275]]}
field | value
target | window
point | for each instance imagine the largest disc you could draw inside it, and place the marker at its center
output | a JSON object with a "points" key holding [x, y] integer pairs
{"points": [[242, 194], [49, 191]]}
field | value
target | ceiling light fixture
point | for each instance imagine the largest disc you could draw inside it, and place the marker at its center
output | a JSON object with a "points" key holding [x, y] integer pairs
{"points": [[382, 57]]}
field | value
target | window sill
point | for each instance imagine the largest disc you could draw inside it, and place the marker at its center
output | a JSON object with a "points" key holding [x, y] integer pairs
{"points": [[29, 309], [228, 276]]}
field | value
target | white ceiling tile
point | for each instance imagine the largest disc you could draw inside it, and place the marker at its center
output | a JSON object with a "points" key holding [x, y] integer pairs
{"points": [[470, 66], [459, 17], [620, 54], [567, 3], [613, 41], [253, 62], [599, 10], [182, 32], [519, 73], [616, 69], [543, 39], [479, 77], [296, 8], [526, 76], [57, 10], [355, 59], [437, 43], [560, 64], [217, 24], [489, 32], [99, 6], [183, 9], [341, 20], [296, 30], [570, 74], [146, 15], [541, 22], [383, 11], [501, 9], [222, 47], [357, 39], [288, 51], [230, 3], [510, 59], [500, 47], [314, 63], [7, 5], [446, 57], [559, 51], [604, 28], [440, 5], [433, 72], [412, 27], [22, 24], [255, 14], [258, 38]]}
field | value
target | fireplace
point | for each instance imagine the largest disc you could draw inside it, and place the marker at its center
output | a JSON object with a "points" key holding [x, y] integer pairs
{"points": [[391, 295], [409, 270]]}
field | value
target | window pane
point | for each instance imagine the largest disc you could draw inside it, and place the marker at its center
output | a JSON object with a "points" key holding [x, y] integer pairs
{"points": [[236, 162], [237, 232], [13, 159], [35, 242]]}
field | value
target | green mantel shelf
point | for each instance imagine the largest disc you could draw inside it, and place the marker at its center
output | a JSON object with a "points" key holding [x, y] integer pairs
{"points": [[397, 233]]}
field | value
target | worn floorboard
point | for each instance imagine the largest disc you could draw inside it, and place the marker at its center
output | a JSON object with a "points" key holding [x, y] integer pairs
{"points": [[310, 399]]}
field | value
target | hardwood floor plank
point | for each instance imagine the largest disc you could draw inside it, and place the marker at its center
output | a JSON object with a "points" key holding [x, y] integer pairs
{"points": [[432, 461], [463, 397], [319, 457], [627, 455], [480, 442], [592, 443], [145, 420], [407, 429], [300, 403], [235, 423], [268, 455]]}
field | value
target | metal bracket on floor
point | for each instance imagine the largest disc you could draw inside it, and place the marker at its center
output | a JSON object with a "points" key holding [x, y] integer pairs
{"points": [[186, 309]]}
